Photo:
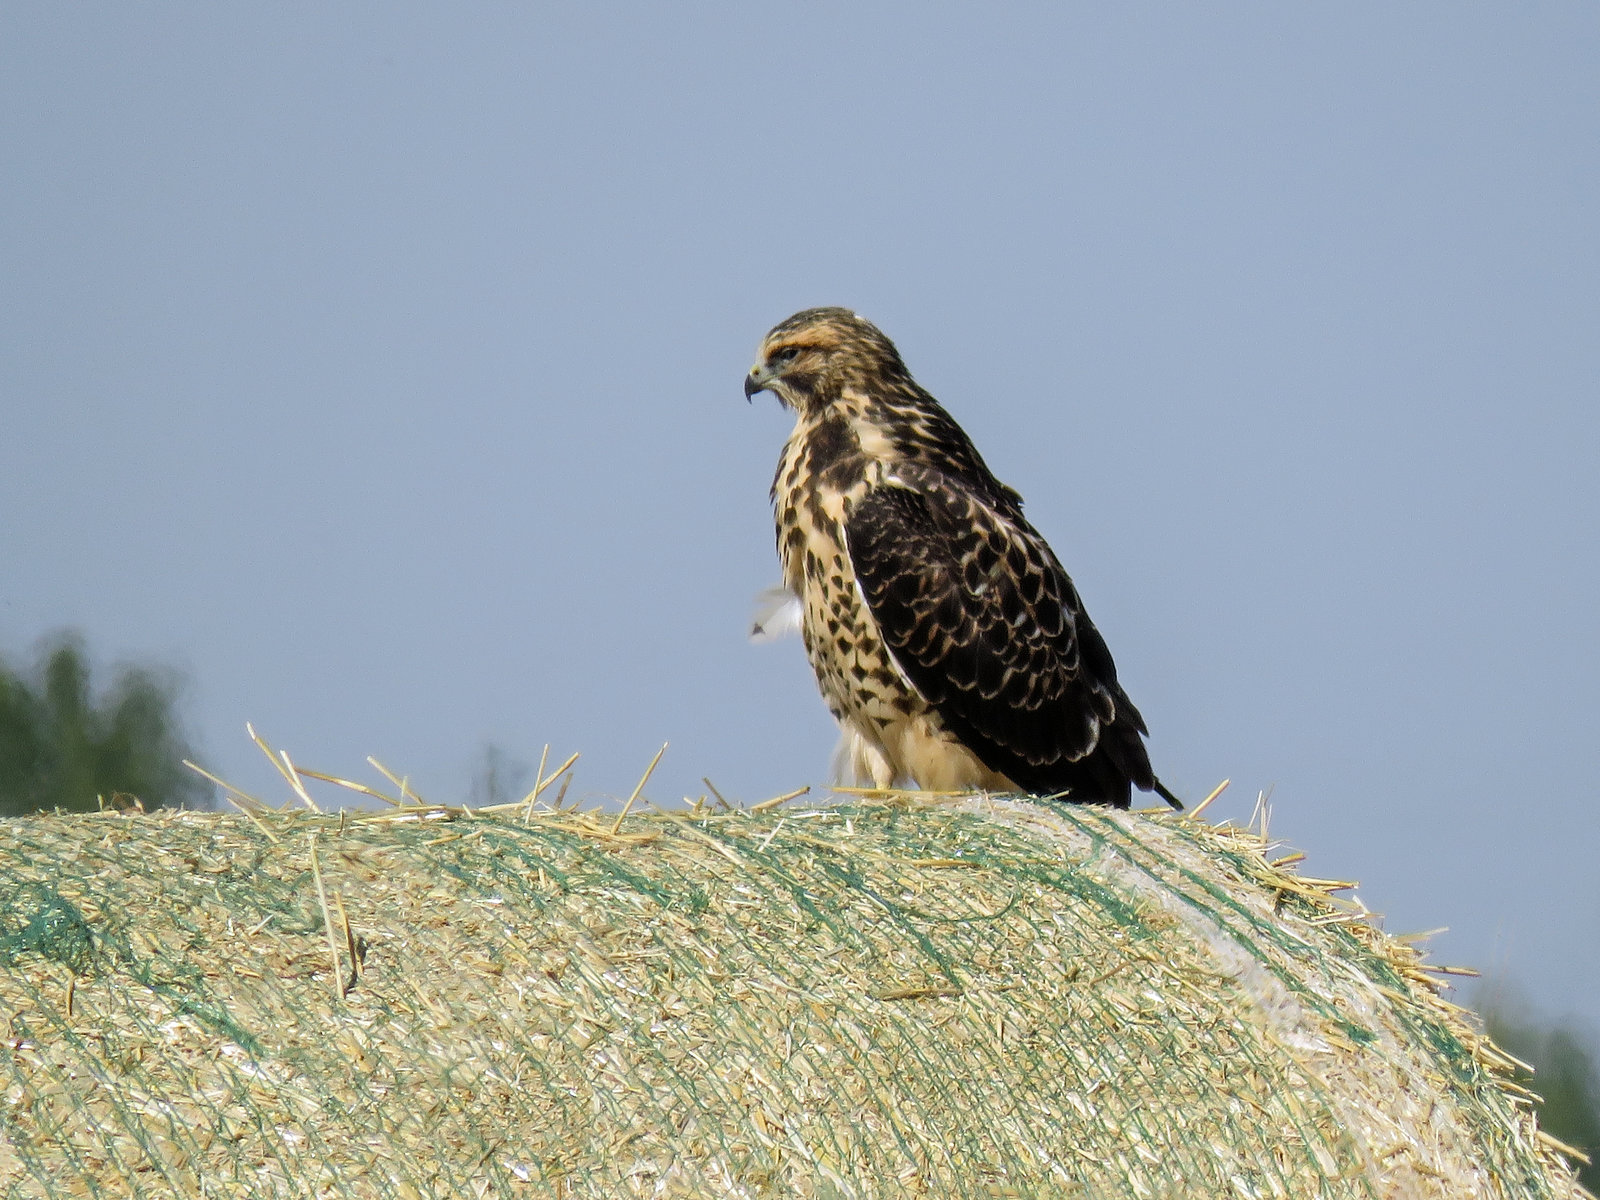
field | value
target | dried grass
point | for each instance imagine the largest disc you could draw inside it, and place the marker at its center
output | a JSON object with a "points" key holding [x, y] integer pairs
{"points": [[903, 995]]}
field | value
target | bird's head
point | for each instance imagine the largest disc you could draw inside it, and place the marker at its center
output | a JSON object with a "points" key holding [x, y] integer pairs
{"points": [[809, 360]]}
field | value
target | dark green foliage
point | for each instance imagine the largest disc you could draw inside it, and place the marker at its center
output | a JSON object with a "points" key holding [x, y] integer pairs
{"points": [[61, 746], [1564, 1061]]}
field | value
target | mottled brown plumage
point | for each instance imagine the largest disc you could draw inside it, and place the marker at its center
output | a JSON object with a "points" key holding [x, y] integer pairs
{"points": [[946, 637]]}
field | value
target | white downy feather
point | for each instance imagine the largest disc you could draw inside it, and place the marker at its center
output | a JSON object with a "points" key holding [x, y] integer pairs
{"points": [[777, 615]]}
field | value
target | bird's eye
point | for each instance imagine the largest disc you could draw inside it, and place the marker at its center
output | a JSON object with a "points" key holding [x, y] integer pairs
{"points": [[785, 354]]}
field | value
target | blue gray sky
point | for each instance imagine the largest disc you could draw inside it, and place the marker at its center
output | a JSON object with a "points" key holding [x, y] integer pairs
{"points": [[378, 366]]}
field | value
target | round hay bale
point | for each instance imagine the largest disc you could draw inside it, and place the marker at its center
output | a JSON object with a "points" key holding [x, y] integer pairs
{"points": [[974, 998]]}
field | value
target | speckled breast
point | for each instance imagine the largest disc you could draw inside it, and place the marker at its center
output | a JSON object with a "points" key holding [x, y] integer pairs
{"points": [[811, 494]]}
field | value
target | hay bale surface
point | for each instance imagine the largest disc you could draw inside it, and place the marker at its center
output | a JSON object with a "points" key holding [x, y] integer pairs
{"points": [[979, 999]]}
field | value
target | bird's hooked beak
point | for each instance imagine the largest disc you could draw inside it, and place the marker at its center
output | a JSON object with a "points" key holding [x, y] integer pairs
{"points": [[756, 381]]}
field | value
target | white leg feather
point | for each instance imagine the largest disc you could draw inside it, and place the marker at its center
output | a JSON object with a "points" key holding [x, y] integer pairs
{"points": [[858, 762]]}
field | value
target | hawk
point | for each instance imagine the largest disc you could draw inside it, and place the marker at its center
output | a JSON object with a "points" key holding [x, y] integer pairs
{"points": [[947, 639]]}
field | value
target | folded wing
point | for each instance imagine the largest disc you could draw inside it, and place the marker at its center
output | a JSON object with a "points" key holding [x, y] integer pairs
{"points": [[985, 624]]}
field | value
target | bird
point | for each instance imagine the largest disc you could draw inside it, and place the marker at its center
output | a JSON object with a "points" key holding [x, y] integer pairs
{"points": [[947, 639]]}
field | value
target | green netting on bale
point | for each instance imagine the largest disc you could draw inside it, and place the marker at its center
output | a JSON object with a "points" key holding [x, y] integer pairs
{"points": [[974, 998]]}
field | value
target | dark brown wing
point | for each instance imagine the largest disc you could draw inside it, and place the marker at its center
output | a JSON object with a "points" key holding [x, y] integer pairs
{"points": [[986, 625]]}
